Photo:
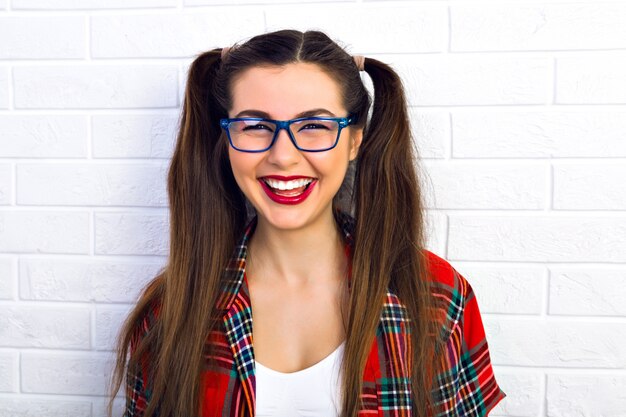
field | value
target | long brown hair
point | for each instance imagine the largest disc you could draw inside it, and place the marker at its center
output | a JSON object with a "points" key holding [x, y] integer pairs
{"points": [[208, 213]]}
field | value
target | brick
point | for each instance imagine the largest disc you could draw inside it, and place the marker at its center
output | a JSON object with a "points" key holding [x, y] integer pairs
{"points": [[524, 394], [505, 288], [4, 88], [108, 323], [431, 131], [508, 134], [93, 280], [537, 27], [585, 395], [556, 343], [9, 372], [28, 326], [89, 4], [92, 184], [8, 273], [580, 80], [131, 234], [97, 86], [45, 136], [460, 185], [172, 35], [537, 239], [84, 373], [448, 80], [389, 28], [6, 184], [589, 187], [25, 406], [130, 136], [35, 37], [45, 232], [587, 291]]}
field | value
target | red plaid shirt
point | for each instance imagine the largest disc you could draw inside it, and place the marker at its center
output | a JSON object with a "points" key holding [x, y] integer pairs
{"points": [[467, 387]]}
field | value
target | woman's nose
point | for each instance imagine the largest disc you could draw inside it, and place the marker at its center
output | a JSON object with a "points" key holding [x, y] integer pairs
{"points": [[283, 152]]}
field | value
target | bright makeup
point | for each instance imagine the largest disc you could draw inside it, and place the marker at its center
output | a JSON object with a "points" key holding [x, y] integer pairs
{"points": [[287, 190]]}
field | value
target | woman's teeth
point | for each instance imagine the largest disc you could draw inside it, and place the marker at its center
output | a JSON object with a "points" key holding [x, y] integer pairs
{"points": [[287, 192], [287, 185]]}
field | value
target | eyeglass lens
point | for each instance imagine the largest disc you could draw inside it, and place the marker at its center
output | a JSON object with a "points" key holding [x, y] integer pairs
{"points": [[309, 134]]}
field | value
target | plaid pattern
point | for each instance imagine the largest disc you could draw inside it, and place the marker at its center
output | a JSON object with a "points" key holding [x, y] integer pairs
{"points": [[467, 387]]}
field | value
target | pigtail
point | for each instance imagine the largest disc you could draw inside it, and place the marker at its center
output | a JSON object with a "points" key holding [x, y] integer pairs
{"points": [[386, 177], [389, 225], [207, 214]]}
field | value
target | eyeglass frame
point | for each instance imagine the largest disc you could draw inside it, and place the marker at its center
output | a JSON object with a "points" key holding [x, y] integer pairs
{"points": [[285, 124]]}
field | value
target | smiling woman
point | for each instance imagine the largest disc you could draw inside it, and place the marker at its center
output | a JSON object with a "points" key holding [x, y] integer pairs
{"points": [[288, 187], [279, 298]]}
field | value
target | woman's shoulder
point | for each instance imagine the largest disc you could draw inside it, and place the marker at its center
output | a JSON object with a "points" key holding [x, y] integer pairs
{"points": [[442, 274], [467, 381], [454, 296]]}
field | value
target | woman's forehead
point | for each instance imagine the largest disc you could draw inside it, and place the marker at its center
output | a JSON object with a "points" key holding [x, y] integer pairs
{"points": [[283, 91]]}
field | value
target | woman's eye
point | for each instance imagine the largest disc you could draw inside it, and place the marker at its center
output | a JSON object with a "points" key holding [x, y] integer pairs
{"points": [[258, 126], [314, 126]]}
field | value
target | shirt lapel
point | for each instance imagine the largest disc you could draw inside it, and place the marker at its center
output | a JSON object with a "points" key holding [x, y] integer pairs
{"points": [[235, 300], [394, 383]]}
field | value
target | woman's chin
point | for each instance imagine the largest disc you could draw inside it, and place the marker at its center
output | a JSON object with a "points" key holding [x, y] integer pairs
{"points": [[286, 218]]}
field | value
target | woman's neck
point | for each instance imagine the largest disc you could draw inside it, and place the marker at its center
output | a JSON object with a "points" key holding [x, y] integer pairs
{"points": [[296, 258]]}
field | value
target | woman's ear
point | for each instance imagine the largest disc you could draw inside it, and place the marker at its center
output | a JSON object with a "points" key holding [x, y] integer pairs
{"points": [[356, 136]]}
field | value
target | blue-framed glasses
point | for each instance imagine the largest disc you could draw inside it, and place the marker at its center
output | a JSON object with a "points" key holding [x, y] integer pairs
{"points": [[308, 134]]}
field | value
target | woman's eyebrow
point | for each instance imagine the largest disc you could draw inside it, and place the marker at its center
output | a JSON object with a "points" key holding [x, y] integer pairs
{"points": [[265, 115]]}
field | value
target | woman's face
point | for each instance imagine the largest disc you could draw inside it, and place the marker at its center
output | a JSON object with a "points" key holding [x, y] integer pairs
{"points": [[284, 93]]}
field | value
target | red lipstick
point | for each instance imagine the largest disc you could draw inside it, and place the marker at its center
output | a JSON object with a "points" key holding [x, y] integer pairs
{"points": [[286, 199]]}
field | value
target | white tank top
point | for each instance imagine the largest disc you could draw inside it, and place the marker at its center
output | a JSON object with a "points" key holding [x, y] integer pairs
{"points": [[311, 392]]}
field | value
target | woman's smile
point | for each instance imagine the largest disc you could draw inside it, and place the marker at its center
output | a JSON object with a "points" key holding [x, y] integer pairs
{"points": [[287, 190]]}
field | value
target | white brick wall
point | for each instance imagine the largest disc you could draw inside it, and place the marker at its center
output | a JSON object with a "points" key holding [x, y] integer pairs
{"points": [[43, 136], [92, 184], [172, 34], [553, 131], [518, 109], [4, 87], [43, 37], [133, 136], [599, 80], [570, 395], [95, 86]]}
